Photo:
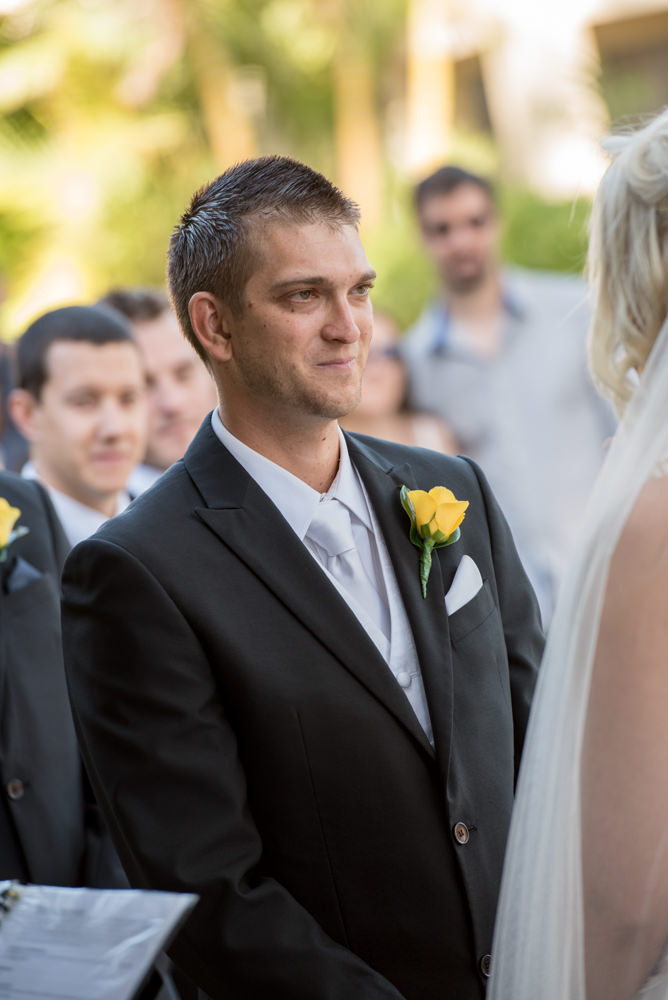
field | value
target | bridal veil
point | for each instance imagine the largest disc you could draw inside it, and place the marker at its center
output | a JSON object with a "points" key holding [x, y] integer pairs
{"points": [[583, 911]]}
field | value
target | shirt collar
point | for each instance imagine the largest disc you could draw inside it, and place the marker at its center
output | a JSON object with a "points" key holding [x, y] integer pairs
{"points": [[511, 303], [295, 499]]}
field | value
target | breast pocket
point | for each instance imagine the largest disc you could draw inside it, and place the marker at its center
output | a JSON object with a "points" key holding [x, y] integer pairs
{"points": [[479, 647], [472, 615], [38, 593]]}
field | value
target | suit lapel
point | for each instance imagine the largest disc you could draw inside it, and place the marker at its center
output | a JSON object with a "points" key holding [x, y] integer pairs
{"points": [[428, 617], [248, 523]]}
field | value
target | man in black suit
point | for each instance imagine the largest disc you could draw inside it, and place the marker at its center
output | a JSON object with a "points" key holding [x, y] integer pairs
{"points": [[297, 735], [50, 828]]}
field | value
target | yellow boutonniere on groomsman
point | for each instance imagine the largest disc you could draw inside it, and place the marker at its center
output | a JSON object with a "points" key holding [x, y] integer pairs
{"points": [[435, 518], [8, 533]]}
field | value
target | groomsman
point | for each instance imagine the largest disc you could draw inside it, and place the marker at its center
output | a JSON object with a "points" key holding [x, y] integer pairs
{"points": [[81, 405], [179, 387], [273, 714]]}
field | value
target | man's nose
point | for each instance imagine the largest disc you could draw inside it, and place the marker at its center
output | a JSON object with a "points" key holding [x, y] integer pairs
{"points": [[342, 324], [168, 397], [113, 420]]}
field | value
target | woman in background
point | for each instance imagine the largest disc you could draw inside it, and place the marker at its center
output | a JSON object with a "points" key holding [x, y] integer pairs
{"points": [[383, 411]]}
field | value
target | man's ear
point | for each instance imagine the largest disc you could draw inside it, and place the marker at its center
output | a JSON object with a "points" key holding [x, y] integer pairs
{"points": [[210, 321], [23, 407]]}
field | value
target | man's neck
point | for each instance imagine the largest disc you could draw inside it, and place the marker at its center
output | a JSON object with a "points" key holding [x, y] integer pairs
{"points": [[479, 313], [310, 452], [104, 503]]}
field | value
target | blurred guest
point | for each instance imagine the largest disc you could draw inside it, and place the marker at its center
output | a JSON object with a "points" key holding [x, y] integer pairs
{"points": [[383, 411], [81, 405], [50, 828], [501, 356], [180, 388]]}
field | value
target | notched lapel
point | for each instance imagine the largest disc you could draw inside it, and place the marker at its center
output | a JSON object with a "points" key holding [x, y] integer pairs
{"points": [[428, 618], [264, 541]]}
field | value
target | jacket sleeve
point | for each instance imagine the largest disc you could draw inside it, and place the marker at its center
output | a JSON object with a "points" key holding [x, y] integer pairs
{"points": [[163, 761], [520, 614]]}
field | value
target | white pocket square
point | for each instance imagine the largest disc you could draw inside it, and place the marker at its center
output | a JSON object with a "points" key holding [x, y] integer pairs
{"points": [[465, 585]]}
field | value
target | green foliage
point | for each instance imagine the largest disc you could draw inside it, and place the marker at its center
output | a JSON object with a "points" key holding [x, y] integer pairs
{"points": [[546, 235], [104, 137]]}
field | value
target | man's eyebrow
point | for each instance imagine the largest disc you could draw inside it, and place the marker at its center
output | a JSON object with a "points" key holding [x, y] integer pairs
{"points": [[318, 281]]}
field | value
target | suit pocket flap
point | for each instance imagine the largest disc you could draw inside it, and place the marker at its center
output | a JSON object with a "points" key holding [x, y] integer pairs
{"points": [[472, 615]]}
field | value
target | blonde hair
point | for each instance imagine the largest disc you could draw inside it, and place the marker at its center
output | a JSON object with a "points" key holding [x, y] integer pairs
{"points": [[628, 258]]}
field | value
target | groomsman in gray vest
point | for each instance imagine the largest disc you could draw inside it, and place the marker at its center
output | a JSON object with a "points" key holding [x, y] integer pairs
{"points": [[273, 714]]}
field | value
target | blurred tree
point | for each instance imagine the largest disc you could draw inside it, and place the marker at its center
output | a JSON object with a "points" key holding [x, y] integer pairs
{"points": [[113, 111]]}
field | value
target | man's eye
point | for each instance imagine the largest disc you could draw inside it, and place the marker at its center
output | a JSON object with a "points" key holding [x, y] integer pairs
{"points": [[303, 294], [364, 289]]}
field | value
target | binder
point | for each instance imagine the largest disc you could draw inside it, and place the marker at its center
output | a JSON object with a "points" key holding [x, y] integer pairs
{"points": [[83, 944]]}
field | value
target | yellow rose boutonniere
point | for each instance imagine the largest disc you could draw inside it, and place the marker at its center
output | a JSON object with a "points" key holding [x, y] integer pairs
{"points": [[8, 533], [435, 518]]}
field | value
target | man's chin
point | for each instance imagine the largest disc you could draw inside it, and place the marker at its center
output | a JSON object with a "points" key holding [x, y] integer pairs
{"points": [[465, 284]]}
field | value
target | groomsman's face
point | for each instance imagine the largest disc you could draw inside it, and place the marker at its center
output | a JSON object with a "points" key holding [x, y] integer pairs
{"points": [[298, 345], [87, 430]]}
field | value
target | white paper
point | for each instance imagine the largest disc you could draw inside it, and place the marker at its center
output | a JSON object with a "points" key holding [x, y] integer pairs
{"points": [[84, 944]]}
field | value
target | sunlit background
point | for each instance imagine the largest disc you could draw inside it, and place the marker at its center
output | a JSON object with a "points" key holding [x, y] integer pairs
{"points": [[114, 111]]}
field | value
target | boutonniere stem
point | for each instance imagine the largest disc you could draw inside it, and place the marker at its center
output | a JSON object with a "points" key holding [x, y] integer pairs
{"points": [[435, 518]]}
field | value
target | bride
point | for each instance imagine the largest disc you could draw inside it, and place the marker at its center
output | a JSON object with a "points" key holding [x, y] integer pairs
{"points": [[583, 911]]}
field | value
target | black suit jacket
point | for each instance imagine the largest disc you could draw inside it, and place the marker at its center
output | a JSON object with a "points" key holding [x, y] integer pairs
{"points": [[50, 826], [248, 742]]}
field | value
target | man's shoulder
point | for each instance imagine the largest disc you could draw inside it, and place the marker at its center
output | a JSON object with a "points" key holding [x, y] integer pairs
{"points": [[424, 463], [20, 492], [545, 290], [155, 511]]}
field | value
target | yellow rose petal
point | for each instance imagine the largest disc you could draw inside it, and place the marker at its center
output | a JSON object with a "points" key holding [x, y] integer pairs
{"points": [[424, 506], [441, 494], [449, 516], [8, 517]]}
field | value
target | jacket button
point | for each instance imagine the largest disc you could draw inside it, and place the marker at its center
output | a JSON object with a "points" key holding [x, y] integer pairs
{"points": [[461, 832], [15, 789], [486, 965]]}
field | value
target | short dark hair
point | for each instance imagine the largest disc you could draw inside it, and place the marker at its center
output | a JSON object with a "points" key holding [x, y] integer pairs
{"points": [[446, 179], [137, 304], [211, 249], [83, 324]]}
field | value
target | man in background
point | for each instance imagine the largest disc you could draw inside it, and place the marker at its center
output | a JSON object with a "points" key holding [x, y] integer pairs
{"points": [[180, 389], [500, 355], [81, 405]]}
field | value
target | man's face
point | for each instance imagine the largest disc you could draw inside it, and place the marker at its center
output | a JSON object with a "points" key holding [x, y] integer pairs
{"points": [[88, 429], [180, 390], [460, 234], [299, 343]]}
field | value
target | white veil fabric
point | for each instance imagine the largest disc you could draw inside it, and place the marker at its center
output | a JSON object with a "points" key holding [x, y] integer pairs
{"points": [[544, 941]]}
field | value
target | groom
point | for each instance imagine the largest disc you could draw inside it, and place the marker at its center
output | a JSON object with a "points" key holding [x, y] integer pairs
{"points": [[296, 734]]}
